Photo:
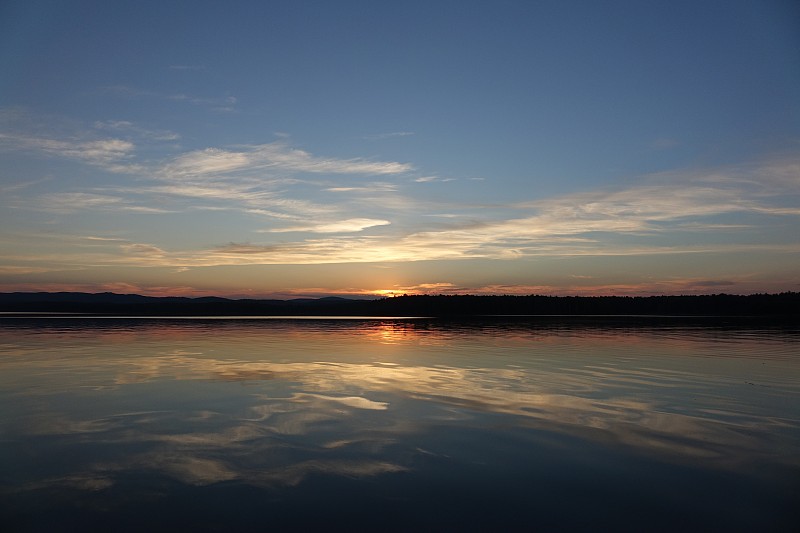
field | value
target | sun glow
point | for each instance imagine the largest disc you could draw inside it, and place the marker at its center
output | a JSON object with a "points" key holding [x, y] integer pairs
{"points": [[391, 293]]}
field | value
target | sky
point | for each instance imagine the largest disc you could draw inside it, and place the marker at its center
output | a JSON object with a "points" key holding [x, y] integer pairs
{"points": [[299, 148]]}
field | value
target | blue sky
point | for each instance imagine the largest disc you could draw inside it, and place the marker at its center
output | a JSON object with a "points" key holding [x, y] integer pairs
{"points": [[312, 148]]}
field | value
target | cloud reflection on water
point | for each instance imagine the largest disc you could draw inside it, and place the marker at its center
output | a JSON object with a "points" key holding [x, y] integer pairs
{"points": [[243, 405]]}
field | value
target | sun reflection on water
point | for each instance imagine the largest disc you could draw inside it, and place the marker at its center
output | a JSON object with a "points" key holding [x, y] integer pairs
{"points": [[270, 404]]}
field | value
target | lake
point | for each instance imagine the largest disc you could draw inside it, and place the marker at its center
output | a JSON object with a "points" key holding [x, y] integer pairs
{"points": [[496, 424]]}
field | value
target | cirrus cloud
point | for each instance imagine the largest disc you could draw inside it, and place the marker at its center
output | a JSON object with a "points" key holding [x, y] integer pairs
{"points": [[342, 226], [277, 155]]}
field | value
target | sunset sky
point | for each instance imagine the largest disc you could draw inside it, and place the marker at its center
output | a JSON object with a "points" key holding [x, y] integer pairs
{"points": [[282, 149]]}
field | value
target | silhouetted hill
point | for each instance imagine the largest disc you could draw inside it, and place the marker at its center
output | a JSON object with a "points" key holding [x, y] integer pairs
{"points": [[784, 305]]}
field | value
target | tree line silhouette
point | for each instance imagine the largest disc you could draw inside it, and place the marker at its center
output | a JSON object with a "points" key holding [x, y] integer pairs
{"points": [[785, 304]]}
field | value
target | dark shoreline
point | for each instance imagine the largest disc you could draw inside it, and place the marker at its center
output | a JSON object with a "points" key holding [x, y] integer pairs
{"points": [[781, 306]]}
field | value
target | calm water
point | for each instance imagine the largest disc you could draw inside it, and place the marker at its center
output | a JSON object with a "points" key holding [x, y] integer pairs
{"points": [[519, 424]]}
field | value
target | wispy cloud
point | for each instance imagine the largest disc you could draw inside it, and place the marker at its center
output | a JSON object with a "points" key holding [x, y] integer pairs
{"points": [[242, 198], [342, 226], [16, 270], [211, 161], [640, 220], [218, 177], [112, 145], [428, 179], [283, 156], [104, 239], [389, 135], [222, 103], [71, 202], [100, 152], [255, 179], [110, 154], [578, 224], [376, 187], [125, 126], [22, 185], [143, 249], [278, 156], [341, 201]]}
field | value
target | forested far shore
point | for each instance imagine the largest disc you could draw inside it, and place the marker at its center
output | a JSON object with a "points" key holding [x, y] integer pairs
{"points": [[784, 304]]}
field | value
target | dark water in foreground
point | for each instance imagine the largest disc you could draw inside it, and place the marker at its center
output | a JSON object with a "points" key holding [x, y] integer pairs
{"points": [[524, 424]]}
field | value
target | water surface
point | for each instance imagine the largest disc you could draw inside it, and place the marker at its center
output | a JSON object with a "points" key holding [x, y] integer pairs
{"points": [[388, 424]]}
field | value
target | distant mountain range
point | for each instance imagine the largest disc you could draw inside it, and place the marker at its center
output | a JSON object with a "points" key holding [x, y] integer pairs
{"points": [[114, 298], [786, 305]]}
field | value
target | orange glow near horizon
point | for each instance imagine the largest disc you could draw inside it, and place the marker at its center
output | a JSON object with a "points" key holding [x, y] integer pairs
{"points": [[672, 287], [386, 292]]}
